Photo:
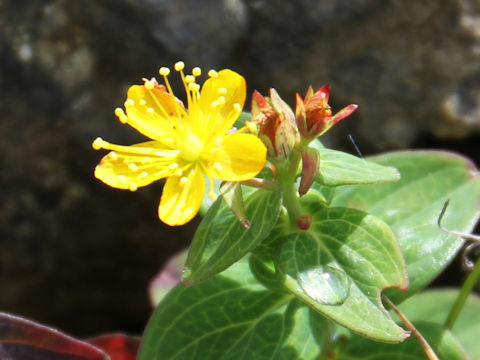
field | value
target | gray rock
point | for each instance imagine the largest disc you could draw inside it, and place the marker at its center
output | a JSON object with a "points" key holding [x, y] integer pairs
{"points": [[77, 254]]}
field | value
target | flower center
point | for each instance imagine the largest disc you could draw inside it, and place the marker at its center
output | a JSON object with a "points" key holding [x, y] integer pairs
{"points": [[191, 148]]}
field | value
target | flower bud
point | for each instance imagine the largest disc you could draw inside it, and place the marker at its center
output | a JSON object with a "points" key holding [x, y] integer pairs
{"points": [[276, 124], [314, 115], [310, 166], [304, 222]]}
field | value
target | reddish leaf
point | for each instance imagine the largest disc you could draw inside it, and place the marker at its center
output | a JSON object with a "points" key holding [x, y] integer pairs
{"points": [[167, 278], [22, 339], [117, 346]]}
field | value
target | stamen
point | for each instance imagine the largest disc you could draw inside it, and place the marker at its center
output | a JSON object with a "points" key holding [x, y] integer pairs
{"points": [[150, 84], [143, 175], [97, 143], [222, 91], [121, 115], [150, 110], [212, 73], [145, 159], [122, 178], [133, 167], [179, 66], [211, 192], [129, 102], [196, 71], [189, 79], [173, 166], [113, 155], [193, 87], [143, 102], [164, 71], [132, 186], [179, 173], [184, 181], [237, 107], [217, 166]]}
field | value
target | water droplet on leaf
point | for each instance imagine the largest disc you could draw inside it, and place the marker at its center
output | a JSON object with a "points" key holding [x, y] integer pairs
{"points": [[326, 285]]}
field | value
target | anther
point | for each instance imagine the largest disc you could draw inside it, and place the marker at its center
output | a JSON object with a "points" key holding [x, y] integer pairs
{"points": [[222, 91], [222, 99], [179, 66], [113, 155], [164, 71], [149, 84], [217, 166], [142, 102], [143, 175], [214, 103], [97, 143], [150, 110], [122, 178], [184, 181], [178, 172], [173, 166], [132, 167], [189, 79], [196, 71], [212, 73], [237, 107], [193, 87], [119, 112], [145, 160], [129, 102], [132, 186]]}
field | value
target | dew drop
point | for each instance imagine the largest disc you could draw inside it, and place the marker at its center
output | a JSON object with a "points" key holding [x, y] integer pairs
{"points": [[326, 285], [186, 273]]}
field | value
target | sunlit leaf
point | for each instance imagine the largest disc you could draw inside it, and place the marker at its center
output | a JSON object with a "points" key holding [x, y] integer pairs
{"points": [[411, 207]]}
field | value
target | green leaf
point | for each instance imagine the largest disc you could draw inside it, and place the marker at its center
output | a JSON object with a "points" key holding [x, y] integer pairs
{"points": [[445, 345], [340, 266], [230, 316], [434, 306], [221, 239], [412, 205], [339, 168]]}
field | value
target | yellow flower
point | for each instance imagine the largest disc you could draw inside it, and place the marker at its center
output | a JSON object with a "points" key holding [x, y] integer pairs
{"points": [[186, 143]]}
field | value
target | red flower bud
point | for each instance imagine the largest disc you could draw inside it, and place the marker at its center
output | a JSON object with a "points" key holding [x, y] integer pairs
{"points": [[310, 166], [276, 123], [314, 115]]}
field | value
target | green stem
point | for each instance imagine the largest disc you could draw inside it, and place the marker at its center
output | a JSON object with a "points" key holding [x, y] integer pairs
{"points": [[286, 178], [467, 288]]}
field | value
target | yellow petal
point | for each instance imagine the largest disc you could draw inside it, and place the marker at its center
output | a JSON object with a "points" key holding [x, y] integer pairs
{"points": [[228, 89], [241, 157], [155, 113], [130, 167], [181, 197]]}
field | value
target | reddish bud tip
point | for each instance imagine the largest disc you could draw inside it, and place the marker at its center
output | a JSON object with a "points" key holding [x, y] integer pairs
{"points": [[304, 222]]}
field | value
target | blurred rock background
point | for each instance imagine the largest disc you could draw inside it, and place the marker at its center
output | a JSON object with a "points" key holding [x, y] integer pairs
{"points": [[79, 255]]}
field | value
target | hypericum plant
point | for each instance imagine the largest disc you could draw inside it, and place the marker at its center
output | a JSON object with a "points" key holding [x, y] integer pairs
{"points": [[292, 263], [305, 245]]}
